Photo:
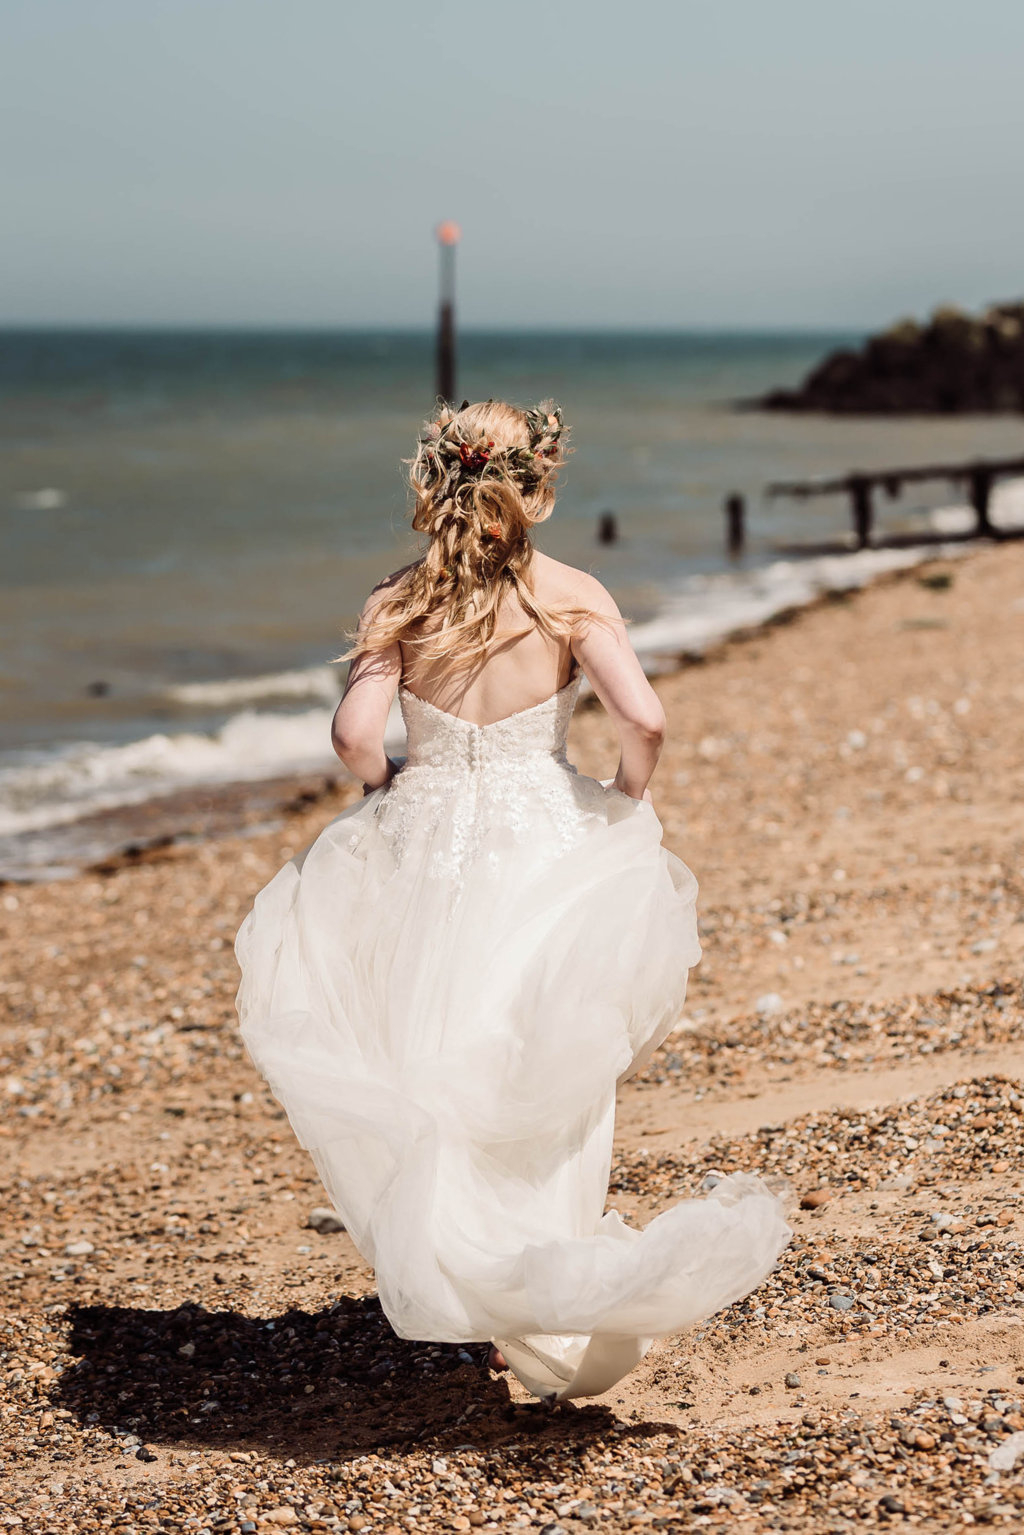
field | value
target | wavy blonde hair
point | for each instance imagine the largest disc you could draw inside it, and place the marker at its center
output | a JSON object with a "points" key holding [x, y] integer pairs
{"points": [[482, 477]]}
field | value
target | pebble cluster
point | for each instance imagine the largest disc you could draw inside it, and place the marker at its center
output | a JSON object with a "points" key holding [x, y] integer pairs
{"points": [[487, 1463], [958, 1253], [317, 1416], [969, 1129], [843, 1035]]}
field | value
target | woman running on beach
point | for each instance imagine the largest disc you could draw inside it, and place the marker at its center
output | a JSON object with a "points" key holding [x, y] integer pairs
{"points": [[444, 989]]}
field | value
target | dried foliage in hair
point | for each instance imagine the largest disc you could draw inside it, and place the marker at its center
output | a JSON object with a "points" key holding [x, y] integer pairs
{"points": [[482, 477]]}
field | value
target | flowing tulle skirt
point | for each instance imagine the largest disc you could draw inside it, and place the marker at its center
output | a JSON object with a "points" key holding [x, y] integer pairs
{"points": [[446, 1030]]}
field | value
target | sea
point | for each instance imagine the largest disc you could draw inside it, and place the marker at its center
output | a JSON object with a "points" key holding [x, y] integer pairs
{"points": [[190, 521]]}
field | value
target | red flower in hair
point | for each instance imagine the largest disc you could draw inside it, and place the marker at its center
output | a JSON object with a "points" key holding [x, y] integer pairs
{"points": [[473, 458]]}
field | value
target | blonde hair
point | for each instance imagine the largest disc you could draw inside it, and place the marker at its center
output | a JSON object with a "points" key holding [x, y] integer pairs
{"points": [[482, 477]]}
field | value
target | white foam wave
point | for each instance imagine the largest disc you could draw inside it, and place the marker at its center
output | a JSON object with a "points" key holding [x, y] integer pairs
{"points": [[320, 683], [48, 499], [1006, 511], [88, 777], [704, 610]]}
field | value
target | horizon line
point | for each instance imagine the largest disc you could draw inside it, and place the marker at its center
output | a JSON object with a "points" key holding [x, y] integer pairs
{"points": [[317, 327]]}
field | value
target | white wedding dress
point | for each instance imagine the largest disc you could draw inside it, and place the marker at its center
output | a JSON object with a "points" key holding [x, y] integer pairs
{"points": [[443, 992]]}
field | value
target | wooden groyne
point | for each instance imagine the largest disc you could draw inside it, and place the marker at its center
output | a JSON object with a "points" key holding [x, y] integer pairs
{"points": [[977, 476]]}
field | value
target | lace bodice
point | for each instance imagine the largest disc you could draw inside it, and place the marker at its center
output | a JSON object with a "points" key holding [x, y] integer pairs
{"points": [[470, 790], [439, 739]]}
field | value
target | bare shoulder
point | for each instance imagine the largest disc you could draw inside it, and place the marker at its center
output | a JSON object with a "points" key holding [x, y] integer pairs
{"points": [[385, 588], [564, 585]]}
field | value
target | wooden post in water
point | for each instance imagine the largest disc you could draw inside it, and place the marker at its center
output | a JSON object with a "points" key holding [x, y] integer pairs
{"points": [[607, 528], [860, 501], [447, 238], [981, 491], [735, 533]]}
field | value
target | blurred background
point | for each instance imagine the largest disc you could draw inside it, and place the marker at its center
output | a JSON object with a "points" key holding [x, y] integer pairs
{"points": [[218, 292]]}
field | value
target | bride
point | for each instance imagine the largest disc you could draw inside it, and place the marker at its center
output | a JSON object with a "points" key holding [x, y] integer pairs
{"points": [[445, 988]]}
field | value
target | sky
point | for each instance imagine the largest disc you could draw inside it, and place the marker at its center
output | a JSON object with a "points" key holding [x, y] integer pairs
{"points": [[657, 164]]}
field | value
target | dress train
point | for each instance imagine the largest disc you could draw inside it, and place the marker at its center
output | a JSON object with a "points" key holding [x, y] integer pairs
{"points": [[443, 992]]}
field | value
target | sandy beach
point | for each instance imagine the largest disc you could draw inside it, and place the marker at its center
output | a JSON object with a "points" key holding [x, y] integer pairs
{"points": [[182, 1351]]}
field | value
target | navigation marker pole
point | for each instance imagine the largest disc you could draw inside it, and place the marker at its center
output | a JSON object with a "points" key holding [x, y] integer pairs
{"points": [[448, 235]]}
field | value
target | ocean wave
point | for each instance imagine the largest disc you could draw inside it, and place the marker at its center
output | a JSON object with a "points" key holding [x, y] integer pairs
{"points": [[704, 610], [48, 499], [319, 683], [1006, 511], [87, 777]]}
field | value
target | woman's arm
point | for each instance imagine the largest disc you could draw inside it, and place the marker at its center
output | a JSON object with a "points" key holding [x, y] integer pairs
{"points": [[357, 731], [614, 672]]}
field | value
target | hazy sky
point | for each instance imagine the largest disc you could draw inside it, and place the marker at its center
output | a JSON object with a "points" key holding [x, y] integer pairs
{"points": [[651, 163]]}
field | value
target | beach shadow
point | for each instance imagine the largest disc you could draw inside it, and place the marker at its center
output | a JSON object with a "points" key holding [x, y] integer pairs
{"points": [[328, 1385]]}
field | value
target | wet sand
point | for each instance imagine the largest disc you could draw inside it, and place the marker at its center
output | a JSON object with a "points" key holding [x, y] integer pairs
{"points": [[848, 789]]}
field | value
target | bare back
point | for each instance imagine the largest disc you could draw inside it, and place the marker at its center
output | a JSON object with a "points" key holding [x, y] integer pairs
{"points": [[524, 667]]}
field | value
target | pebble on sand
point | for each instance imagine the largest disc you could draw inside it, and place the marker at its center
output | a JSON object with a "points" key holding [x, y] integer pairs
{"points": [[324, 1221], [815, 1199]]}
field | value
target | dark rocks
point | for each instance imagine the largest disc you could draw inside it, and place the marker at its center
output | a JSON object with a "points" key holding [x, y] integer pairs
{"points": [[955, 363]]}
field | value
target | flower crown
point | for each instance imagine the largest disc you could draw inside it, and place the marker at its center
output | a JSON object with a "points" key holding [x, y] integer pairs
{"points": [[451, 454]]}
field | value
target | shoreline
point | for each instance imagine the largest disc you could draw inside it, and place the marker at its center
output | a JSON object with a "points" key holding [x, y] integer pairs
{"points": [[167, 824], [72, 805], [109, 837]]}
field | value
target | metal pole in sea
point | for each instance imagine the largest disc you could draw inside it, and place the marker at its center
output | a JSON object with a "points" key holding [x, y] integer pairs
{"points": [[448, 235]]}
